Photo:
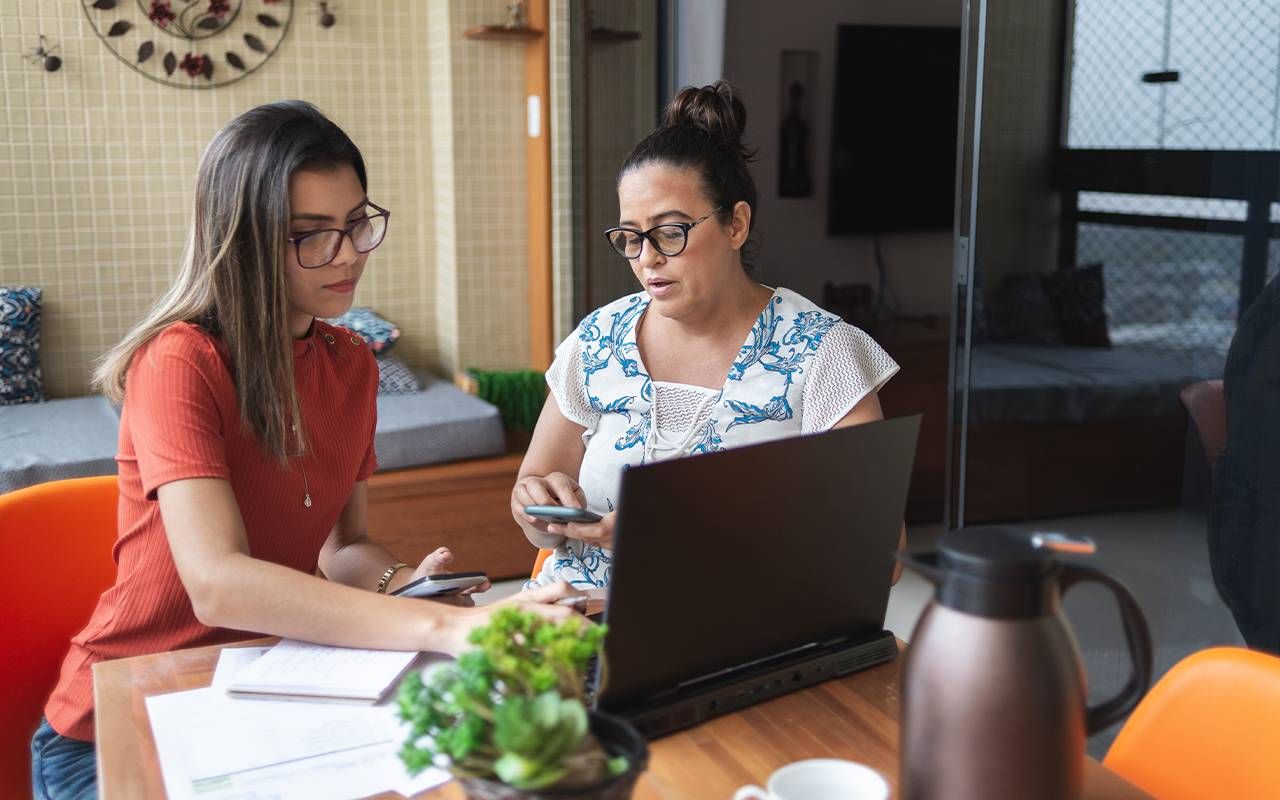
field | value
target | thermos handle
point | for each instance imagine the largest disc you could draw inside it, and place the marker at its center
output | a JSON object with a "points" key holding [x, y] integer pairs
{"points": [[1136, 636]]}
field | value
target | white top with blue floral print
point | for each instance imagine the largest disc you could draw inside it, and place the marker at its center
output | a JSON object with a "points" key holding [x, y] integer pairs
{"points": [[801, 370]]}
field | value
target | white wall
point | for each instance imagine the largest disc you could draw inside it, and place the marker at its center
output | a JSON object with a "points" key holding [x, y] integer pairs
{"points": [[699, 41], [796, 252]]}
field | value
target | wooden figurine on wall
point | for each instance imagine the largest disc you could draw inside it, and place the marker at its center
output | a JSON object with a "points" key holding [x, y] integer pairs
{"points": [[325, 12], [44, 56], [515, 14]]}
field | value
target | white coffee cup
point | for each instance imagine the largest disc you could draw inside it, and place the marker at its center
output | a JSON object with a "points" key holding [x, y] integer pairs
{"points": [[820, 779]]}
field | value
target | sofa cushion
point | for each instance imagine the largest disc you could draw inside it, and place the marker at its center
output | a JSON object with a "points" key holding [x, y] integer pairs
{"points": [[76, 437], [1079, 299], [70, 438], [440, 423], [396, 377], [20, 345], [378, 333]]}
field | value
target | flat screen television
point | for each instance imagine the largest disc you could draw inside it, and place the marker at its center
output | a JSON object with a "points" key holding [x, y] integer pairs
{"points": [[893, 139]]}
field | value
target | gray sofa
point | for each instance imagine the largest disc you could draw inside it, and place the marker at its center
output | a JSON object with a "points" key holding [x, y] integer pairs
{"points": [[76, 437]]}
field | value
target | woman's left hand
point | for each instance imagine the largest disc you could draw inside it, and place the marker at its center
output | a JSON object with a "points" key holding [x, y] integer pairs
{"points": [[597, 533], [436, 563]]}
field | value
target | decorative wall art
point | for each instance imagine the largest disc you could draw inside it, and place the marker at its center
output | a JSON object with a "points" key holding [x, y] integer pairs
{"points": [[797, 80], [191, 44], [43, 54]]}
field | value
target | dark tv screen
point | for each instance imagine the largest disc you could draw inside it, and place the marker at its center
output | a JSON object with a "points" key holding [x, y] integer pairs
{"points": [[893, 140]]}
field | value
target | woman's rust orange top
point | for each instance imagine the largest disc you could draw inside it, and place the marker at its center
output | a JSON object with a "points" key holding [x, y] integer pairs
{"points": [[181, 420]]}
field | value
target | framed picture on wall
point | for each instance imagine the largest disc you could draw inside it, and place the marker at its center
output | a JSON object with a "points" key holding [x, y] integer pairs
{"points": [[797, 82]]}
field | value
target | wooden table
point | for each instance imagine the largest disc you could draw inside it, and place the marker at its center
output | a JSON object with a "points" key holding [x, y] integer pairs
{"points": [[855, 717]]}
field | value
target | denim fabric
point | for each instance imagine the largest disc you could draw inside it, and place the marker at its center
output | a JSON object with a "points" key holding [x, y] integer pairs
{"points": [[62, 768]]}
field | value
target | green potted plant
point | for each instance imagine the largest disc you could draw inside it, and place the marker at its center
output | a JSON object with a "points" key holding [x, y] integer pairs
{"points": [[509, 717]]}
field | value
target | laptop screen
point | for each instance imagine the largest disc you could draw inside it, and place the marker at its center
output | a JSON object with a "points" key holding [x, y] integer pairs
{"points": [[725, 559]]}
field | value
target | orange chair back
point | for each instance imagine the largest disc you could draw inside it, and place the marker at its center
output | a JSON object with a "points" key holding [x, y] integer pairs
{"points": [[537, 562], [1206, 404], [1206, 729], [55, 545]]}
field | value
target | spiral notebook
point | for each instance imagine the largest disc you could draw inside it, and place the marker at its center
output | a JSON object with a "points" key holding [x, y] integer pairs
{"points": [[304, 671]]}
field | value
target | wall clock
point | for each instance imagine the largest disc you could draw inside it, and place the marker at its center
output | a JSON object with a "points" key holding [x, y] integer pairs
{"points": [[191, 44]]}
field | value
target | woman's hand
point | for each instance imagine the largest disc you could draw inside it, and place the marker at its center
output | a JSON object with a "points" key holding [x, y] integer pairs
{"points": [[555, 489], [437, 563], [598, 533], [541, 601]]}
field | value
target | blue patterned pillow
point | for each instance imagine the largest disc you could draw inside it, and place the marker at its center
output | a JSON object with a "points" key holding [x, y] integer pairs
{"points": [[378, 333], [395, 377], [20, 345]]}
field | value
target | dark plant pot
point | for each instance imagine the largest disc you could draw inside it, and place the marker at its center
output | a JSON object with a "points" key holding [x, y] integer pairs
{"points": [[617, 736]]}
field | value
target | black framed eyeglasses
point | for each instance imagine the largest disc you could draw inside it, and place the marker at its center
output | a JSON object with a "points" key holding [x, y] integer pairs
{"points": [[669, 238], [319, 248]]}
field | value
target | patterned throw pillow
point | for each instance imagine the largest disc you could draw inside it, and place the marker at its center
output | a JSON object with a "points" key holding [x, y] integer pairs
{"points": [[20, 380], [1021, 312], [376, 331], [395, 377], [1078, 296]]}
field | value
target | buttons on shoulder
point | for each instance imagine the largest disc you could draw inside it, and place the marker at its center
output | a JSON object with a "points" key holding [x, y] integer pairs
{"points": [[328, 337], [355, 341]]}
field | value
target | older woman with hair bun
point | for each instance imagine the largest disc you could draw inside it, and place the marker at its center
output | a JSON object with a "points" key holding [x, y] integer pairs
{"points": [[703, 358]]}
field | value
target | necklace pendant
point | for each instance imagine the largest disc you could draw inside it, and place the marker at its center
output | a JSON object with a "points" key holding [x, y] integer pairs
{"points": [[306, 501]]}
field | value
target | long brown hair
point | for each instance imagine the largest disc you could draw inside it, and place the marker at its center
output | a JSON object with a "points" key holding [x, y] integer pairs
{"points": [[231, 281]]}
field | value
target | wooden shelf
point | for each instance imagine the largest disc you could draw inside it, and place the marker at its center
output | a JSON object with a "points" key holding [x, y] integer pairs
{"points": [[612, 36], [502, 33]]}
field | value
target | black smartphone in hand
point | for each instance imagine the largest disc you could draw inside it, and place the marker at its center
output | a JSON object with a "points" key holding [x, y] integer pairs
{"points": [[444, 583]]}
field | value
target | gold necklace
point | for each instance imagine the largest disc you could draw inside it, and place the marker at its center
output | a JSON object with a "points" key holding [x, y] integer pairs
{"points": [[302, 467]]}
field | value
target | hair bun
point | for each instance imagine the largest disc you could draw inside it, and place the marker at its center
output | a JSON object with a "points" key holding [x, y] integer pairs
{"points": [[715, 109]]}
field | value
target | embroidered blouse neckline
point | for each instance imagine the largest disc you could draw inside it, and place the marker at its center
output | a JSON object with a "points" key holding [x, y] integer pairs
{"points": [[633, 339]]}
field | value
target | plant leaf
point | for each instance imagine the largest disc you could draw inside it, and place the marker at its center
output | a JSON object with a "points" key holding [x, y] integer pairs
{"points": [[235, 61], [170, 63], [104, 5], [254, 43], [268, 21], [119, 28], [209, 23], [145, 52]]}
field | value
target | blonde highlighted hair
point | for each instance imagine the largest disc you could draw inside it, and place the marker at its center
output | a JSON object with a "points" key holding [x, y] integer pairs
{"points": [[231, 280]]}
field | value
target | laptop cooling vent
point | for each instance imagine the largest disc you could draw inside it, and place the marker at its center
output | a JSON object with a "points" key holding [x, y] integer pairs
{"points": [[859, 660]]}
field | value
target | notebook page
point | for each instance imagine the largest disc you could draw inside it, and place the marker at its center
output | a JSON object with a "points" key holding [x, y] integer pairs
{"points": [[293, 667]]}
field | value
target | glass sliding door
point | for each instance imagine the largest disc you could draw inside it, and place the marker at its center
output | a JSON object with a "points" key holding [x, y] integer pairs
{"points": [[1119, 171]]}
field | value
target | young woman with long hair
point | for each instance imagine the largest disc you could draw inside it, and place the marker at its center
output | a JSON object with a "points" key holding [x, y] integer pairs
{"points": [[246, 436]]}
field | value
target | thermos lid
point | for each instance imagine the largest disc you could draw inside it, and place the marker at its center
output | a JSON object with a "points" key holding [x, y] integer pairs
{"points": [[993, 552]]}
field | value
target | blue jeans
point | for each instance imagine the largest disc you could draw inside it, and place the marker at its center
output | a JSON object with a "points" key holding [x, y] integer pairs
{"points": [[62, 768]]}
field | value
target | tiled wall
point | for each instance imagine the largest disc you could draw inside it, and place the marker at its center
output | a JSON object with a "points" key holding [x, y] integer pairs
{"points": [[490, 200], [566, 191], [97, 165]]}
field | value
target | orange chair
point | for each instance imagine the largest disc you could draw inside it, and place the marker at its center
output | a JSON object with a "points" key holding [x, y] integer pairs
{"points": [[1207, 729], [55, 545], [537, 562], [1206, 404]]}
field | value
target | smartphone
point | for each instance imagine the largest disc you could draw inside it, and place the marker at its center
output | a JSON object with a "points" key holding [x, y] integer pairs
{"points": [[562, 514], [442, 583]]}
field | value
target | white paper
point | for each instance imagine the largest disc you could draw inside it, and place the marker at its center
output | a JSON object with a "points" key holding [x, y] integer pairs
{"points": [[300, 668], [231, 660], [213, 746]]}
